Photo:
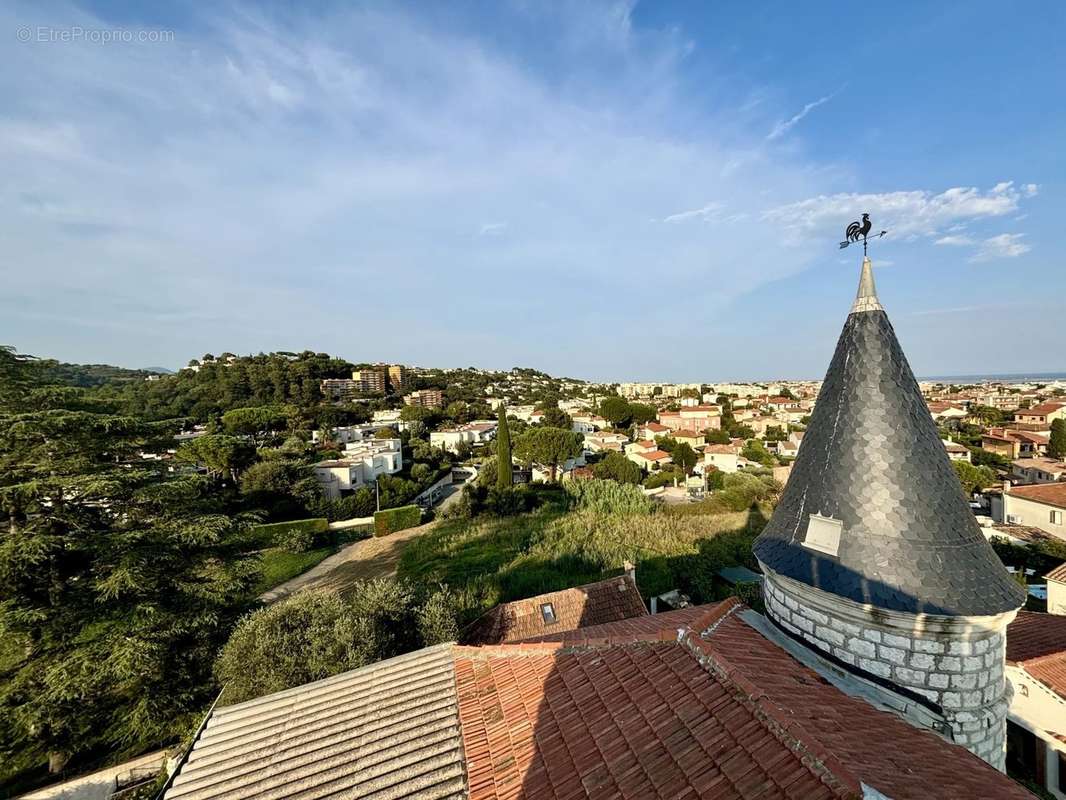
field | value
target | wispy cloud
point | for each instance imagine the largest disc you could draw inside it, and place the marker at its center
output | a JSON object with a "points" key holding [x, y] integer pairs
{"points": [[784, 126], [1006, 245], [904, 213], [705, 213], [269, 157]]}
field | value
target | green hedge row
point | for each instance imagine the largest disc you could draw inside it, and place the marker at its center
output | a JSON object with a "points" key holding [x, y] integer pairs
{"points": [[396, 519]]}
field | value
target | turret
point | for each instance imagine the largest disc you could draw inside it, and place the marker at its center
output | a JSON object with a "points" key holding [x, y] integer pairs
{"points": [[873, 557]]}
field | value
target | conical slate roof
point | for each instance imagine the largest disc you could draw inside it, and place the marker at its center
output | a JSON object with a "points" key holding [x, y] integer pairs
{"points": [[900, 534]]}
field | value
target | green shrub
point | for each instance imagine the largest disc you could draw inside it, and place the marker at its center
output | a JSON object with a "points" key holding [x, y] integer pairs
{"points": [[296, 536], [608, 497], [617, 467], [663, 477], [314, 635], [392, 520]]}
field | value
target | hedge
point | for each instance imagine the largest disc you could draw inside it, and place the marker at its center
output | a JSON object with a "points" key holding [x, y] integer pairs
{"points": [[396, 519]]}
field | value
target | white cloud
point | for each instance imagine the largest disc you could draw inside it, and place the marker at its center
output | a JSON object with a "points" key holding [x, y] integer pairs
{"points": [[1006, 245], [705, 213], [955, 241], [784, 126], [266, 160], [904, 213]]}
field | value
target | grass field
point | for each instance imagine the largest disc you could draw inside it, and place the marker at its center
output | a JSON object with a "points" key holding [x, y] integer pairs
{"points": [[491, 560], [279, 565]]}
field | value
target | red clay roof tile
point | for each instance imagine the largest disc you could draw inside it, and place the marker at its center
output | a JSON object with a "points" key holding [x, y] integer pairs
{"points": [[648, 707], [611, 600]]}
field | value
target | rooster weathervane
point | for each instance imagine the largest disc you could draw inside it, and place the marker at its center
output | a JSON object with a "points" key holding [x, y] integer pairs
{"points": [[860, 230]]}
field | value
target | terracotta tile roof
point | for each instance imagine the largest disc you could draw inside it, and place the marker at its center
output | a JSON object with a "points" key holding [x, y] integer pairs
{"points": [[1037, 643], [1041, 410], [690, 703], [655, 455], [1053, 494], [650, 627], [687, 435], [1057, 574], [642, 720], [1011, 435], [1035, 635], [624, 711], [655, 426], [722, 448], [611, 600]]}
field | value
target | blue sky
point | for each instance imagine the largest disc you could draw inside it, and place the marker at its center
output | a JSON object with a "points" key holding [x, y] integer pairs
{"points": [[606, 190]]}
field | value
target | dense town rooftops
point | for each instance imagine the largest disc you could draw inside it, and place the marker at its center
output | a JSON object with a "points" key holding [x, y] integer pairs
{"points": [[874, 480], [691, 703]]}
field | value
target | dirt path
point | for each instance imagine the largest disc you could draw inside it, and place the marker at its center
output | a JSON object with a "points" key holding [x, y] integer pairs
{"points": [[367, 558]]}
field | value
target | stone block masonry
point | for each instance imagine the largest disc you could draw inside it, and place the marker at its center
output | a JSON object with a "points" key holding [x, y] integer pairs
{"points": [[956, 664]]}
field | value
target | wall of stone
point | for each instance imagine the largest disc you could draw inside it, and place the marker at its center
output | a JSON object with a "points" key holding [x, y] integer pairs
{"points": [[957, 667]]}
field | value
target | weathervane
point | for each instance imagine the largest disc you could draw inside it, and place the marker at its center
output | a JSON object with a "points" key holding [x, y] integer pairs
{"points": [[857, 230]]}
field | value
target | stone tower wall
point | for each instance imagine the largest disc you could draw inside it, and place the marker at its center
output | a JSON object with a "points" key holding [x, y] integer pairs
{"points": [[954, 662]]}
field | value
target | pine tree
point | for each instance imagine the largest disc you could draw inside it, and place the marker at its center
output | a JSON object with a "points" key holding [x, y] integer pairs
{"points": [[1056, 447], [119, 581], [504, 472]]}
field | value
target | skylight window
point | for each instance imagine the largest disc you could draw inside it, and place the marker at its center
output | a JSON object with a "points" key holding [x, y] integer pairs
{"points": [[823, 534], [547, 611]]}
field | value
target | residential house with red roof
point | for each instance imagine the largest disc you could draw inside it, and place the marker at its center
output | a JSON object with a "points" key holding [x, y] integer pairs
{"points": [[1040, 505], [1038, 469], [650, 430], [1036, 726], [1012, 444], [1040, 417]]}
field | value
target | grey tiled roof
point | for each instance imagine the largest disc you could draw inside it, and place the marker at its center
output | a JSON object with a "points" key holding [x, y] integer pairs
{"points": [[390, 730], [872, 458]]}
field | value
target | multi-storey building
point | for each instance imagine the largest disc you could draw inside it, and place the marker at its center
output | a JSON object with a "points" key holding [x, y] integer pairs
{"points": [[426, 398], [372, 380], [399, 377]]}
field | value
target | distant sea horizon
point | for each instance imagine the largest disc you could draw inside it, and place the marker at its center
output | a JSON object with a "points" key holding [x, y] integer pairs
{"points": [[999, 377]]}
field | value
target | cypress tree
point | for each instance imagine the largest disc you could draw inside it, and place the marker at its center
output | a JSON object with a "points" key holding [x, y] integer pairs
{"points": [[1057, 445], [504, 476]]}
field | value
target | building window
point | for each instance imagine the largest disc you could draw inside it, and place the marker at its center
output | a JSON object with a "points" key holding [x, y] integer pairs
{"points": [[1056, 517], [548, 613]]}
